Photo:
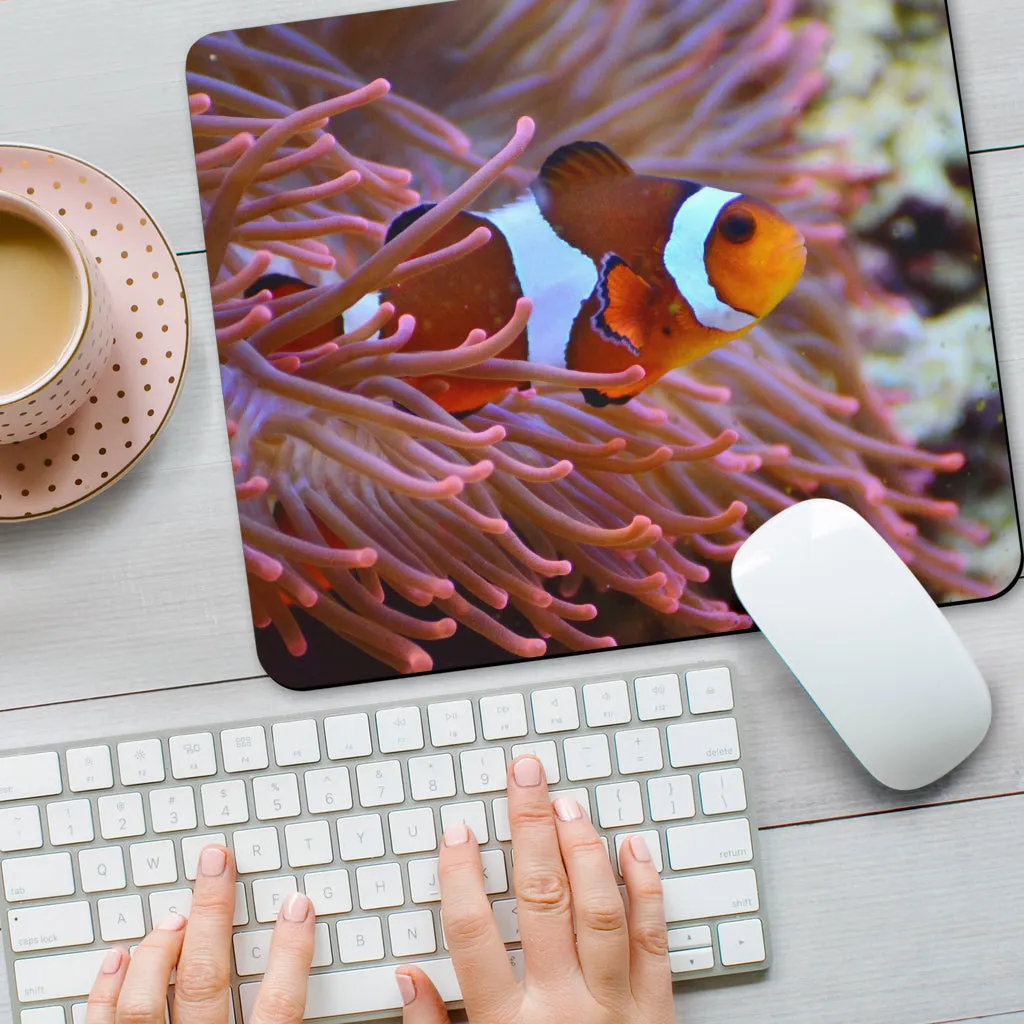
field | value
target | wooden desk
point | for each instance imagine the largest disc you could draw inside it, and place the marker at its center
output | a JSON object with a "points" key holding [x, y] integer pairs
{"points": [[133, 610]]}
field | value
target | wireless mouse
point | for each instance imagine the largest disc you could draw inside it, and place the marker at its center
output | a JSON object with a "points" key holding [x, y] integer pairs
{"points": [[865, 640]]}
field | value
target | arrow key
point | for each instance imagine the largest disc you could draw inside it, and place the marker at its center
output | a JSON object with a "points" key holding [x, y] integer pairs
{"points": [[690, 960], [741, 942]]}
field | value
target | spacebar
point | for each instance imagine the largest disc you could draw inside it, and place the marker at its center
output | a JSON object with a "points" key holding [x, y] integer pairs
{"points": [[359, 991]]}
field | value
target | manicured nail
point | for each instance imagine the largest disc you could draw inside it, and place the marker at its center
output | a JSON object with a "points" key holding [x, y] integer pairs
{"points": [[296, 907], [640, 849], [212, 862], [172, 923], [112, 961], [527, 772], [406, 988], [568, 810], [457, 834]]}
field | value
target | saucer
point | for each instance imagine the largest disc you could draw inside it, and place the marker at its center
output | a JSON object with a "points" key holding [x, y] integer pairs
{"points": [[107, 436]]}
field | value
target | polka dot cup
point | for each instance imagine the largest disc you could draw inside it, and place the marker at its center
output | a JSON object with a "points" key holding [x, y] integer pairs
{"points": [[73, 377]]}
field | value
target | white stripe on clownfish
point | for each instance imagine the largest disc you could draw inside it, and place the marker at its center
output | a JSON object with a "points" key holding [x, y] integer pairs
{"points": [[684, 260]]}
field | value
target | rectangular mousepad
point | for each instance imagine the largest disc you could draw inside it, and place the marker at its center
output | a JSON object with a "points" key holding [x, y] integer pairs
{"points": [[529, 312]]}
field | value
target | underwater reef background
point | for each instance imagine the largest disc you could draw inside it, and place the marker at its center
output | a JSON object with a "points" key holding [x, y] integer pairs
{"points": [[382, 535]]}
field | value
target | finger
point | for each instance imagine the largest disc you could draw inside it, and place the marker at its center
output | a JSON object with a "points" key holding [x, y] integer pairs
{"points": [[649, 973], [102, 1005], [423, 1004], [602, 939], [543, 903], [201, 992], [282, 994], [489, 988], [144, 993]]}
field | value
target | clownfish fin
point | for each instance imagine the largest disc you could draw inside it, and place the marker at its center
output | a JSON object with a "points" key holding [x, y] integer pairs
{"points": [[406, 219], [580, 161], [279, 284], [599, 400], [623, 304]]}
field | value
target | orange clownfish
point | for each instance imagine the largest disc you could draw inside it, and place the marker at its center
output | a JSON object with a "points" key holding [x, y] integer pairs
{"points": [[280, 285], [622, 268]]}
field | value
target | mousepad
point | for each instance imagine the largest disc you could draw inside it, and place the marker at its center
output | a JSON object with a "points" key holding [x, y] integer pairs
{"points": [[530, 312]]}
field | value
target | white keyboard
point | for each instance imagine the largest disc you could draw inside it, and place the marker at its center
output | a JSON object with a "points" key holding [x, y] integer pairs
{"points": [[99, 842]]}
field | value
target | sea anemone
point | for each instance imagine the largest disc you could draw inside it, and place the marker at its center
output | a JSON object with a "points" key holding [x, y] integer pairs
{"points": [[363, 504]]}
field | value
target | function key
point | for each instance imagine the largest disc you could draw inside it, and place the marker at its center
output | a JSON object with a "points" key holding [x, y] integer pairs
{"points": [[192, 757], [244, 750], [606, 703], [503, 717], [347, 736], [399, 729], [296, 743], [451, 723], [140, 761], [89, 769], [709, 690], [658, 697], [555, 710]]}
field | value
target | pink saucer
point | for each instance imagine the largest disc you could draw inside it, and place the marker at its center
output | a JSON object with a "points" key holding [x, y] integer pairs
{"points": [[103, 440]]}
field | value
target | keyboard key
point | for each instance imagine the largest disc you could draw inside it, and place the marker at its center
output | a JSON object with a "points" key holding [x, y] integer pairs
{"points": [[619, 804], [276, 796], [693, 897], [703, 742], [256, 849], [42, 979], [359, 940], [241, 913], [69, 822], [722, 792], [495, 873], [423, 883], [451, 724], [606, 703], [546, 752], [172, 810], [296, 743], [37, 878], [658, 697], [269, 894], [347, 736], [327, 790], [20, 829], [580, 796], [741, 942], [507, 920], [140, 762], [121, 816], [244, 750], [555, 710], [253, 948], [308, 843], [587, 757], [432, 777], [121, 918], [689, 938], [167, 902], [380, 783], [709, 690], [399, 729], [503, 717], [472, 814], [89, 769], [153, 863], [102, 869], [29, 775], [653, 841], [380, 885], [483, 771], [193, 846], [412, 934], [329, 891], [671, 798], [43, 1015], [360, 837], [65, 924], [692, 960], [502, 828], [709, 845], [412, 831], [638, 750], [192, 756], [224, 803]]}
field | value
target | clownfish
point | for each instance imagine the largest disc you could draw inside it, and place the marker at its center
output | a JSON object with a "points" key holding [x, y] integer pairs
{"points": [[622, 269], [280, 285]]}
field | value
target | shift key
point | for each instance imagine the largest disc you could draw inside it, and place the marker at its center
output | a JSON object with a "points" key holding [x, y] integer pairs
{"points": [[49, 978], [695, 897], [29, 775]]}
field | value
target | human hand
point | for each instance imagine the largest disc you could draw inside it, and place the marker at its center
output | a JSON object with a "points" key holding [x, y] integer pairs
{"points": [[135, 989], [615, 970]]}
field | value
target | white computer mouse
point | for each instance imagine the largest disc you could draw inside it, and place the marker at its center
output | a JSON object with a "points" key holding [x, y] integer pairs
{"points": [[865, 640]]}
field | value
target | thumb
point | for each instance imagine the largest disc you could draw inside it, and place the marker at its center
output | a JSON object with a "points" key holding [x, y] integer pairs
{"points": [[423, 1005]]}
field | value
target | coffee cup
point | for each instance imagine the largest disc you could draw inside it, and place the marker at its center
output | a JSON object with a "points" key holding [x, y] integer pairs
{"points": [[56, 320]]}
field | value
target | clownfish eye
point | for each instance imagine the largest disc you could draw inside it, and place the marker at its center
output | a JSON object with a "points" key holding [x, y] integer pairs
{"points": [[737, 227]]}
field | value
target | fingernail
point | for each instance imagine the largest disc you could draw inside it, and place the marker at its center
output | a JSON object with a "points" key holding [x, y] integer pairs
{"points": [[212, 862], [112, 961], [567, 810], [640, 850], [527, 772], [406, 988], [296, 907], [457, 834], [173, 923]]}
